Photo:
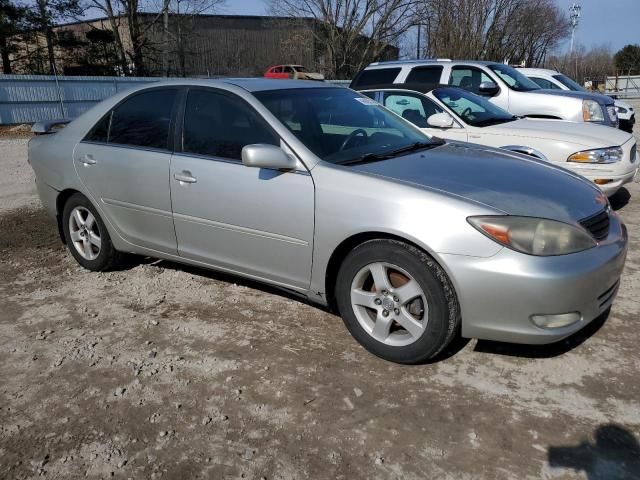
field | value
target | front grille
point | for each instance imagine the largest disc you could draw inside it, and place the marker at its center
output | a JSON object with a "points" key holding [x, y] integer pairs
{"points": [[613, 115], [597, 225]]}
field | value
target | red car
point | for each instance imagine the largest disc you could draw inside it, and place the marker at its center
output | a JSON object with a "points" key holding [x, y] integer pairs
{"points": [[297, 72]]}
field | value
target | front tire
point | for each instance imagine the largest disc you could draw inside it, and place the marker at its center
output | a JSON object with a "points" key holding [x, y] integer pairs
{"points": [[86, 235], [396, 301]]}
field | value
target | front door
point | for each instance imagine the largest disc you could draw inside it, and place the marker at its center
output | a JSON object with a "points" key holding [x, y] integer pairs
{"points": [[258, 222], [124, 164]]}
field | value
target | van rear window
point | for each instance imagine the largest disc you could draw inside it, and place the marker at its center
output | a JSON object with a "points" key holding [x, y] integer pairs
{"points": [[377, 76]]}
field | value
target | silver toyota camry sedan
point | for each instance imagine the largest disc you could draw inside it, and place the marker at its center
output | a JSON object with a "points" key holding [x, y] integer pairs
{"points": [[323, 192]]}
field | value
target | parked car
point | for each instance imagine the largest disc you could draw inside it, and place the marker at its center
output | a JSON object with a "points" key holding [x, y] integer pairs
{"points": [[503, 85], [324, 193], [295, 72], [604, 156], [553, 80]]}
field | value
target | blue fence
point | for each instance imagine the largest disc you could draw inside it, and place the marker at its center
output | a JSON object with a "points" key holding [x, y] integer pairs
{"points": [[31, 98]]}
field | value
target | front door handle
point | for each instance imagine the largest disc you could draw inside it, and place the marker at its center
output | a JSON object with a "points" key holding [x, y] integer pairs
{"points": [[185, 177], [87, 160]]}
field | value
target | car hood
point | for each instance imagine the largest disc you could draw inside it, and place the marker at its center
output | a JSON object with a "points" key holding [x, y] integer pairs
{"points": [[601, 99], [511, 183], [582, 134]]}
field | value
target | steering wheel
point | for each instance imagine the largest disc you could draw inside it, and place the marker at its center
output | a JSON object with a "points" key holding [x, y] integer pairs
{"points": [[466, 112], [351, 136]]}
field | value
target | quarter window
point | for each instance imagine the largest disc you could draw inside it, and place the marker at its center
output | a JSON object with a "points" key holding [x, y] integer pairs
{"points": [[220, 125], [100, 132], [144, 119]]}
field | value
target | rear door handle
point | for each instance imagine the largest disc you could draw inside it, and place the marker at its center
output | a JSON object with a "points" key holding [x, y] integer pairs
{"points": [[87, 160], [185, 177]]}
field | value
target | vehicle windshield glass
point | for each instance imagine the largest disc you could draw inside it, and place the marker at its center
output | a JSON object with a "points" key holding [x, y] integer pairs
{"points": [[340, 125], [513, 78], [472, 109], [569, 83]]}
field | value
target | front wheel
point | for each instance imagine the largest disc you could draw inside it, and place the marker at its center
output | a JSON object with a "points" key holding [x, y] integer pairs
{"points": [[397, 301], [86, 235]]}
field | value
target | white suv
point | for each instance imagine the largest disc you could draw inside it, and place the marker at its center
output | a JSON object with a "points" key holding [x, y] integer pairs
{"points": [[503, 85], [550, 79]]}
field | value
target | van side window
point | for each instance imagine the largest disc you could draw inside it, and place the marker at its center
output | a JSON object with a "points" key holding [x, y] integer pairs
{"points": [[429, 75]]}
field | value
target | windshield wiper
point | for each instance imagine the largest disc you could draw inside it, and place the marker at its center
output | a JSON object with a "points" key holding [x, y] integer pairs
{"points": [[374, 157]]}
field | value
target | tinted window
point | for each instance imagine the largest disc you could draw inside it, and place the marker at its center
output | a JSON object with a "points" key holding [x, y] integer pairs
{"points": [[219, 125], [376, 76], [468, 78], [429, 75], [544, 83], [144, 119], [513, 78], [337, 124], [100, 132], [414, 108]]}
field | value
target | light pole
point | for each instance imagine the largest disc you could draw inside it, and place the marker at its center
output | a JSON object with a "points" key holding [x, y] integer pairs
{"points": [[575, 11]]}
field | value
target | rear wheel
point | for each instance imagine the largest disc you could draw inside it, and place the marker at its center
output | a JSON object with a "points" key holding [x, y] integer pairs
{"points": [[86, 235], [397, 301]]}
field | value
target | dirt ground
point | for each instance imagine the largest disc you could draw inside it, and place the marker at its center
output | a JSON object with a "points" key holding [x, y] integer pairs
{"points": [[159, 370]]}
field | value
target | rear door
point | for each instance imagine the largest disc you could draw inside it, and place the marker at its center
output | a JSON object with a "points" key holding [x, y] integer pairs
{"points": [[124, 164], [257, 222]]}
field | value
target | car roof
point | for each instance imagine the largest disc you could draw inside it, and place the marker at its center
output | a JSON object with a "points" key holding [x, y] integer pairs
{"points": [[426, 62], [540, 71], [414, 87], [256, 84]]}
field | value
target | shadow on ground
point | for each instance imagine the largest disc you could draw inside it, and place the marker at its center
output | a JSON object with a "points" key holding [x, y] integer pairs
{"points": [[614, 455], [620, 199]]}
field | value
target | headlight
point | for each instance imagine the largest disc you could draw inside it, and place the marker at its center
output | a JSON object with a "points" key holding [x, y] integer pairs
{"points": [[592, 111], [534, 236], [600, 155], [621, 110]]}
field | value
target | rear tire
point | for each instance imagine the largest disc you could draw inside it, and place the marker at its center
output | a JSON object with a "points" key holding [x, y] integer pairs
{"points": [[396, 301], [86, 235]]}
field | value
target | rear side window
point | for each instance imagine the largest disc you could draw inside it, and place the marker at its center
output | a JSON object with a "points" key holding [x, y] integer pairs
{"points": [[428, 75], [144, 119], [375, 77], [220, 125], [100, 132]]}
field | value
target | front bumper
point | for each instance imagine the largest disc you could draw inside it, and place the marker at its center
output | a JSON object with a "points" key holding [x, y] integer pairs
{"points": [[627, 124], [499, 295]]}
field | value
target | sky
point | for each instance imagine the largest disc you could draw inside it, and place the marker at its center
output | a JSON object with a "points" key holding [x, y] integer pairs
{"points": [[611, 23]]}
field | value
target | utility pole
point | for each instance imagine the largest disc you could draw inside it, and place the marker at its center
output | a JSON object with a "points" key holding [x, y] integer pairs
{"points": [[418, 47], [575, 12]]}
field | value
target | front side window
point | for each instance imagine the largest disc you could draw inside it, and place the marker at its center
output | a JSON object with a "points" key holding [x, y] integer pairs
{"points": [[472, 109], [144, 120], [220, 125], [468, 78], [415, 108], [338, 124], [513, 78], [544, 83], [569, 83]]}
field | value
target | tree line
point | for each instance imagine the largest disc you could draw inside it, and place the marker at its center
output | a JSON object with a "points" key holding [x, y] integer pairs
{"points": [[142, 37]]}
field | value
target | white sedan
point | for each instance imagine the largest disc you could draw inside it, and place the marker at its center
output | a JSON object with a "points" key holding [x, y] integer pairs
{"points": [[604, 155]]}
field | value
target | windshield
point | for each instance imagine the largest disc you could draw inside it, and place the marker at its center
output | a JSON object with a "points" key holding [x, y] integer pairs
{"points": [[472, 109], [569, 83], [513, 78], [340, 125]]}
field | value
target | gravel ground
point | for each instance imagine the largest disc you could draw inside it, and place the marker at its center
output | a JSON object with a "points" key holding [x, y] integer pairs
{"points": [[160, 370]]}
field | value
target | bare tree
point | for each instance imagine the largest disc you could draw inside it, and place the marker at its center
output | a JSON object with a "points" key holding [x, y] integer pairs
{"points": [[351, 33]]}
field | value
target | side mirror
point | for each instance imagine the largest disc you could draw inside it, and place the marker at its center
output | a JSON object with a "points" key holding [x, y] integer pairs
{"points": [[261, 155], [440, 120], [488, 88]]}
